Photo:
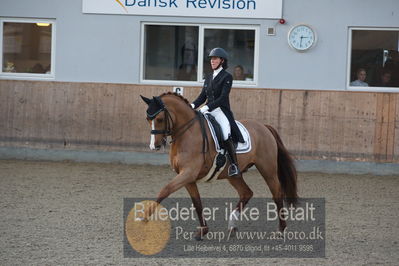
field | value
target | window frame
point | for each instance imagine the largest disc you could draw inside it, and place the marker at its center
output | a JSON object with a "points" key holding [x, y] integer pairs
{"points": [[29, 76], [201, 29], [349, 56]]}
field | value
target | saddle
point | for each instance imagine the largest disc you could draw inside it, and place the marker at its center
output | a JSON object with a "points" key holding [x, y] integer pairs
{"points": [[220, 161], [216, 132], [217, 129]]}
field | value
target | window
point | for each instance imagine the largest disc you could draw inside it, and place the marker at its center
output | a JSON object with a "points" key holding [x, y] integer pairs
{"points": [[240, 45], [171, 52], [27, 48], [374, 58]]}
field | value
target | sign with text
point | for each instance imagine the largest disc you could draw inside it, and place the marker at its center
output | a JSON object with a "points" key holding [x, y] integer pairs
{"points": [[172, 230], [263, 9]]}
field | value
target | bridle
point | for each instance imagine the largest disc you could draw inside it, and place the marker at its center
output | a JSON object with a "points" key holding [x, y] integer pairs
{"points": [[175, 133], [169, 125]]}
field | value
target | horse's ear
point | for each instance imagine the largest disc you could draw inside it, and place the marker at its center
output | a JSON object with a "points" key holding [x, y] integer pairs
{"points": [[146, 100]]}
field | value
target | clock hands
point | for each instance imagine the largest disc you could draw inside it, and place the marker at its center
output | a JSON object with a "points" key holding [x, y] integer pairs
{"points": [[302, 37]]}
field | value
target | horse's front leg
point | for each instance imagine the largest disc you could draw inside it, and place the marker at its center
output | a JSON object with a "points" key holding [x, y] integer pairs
{"points": [[179, 181], [195, 197]]}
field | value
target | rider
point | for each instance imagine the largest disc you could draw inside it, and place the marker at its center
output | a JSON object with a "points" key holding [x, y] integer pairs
{"points": [[216, 90]]}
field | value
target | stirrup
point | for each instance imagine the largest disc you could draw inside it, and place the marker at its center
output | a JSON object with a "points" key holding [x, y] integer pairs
{"points": [[233, 170]]}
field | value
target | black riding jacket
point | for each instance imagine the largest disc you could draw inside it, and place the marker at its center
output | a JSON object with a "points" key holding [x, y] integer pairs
{"points": [[216, 91]]}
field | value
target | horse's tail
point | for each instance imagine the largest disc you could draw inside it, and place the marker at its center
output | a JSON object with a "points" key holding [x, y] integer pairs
{"points": [[286, 170]]}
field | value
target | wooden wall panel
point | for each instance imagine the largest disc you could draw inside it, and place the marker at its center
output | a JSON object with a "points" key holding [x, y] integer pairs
{"points": [[396, 130], [384, 138], [391, 127], [335, 125]]}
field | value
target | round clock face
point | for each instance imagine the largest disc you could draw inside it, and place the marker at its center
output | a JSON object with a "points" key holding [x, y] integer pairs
{"points": [[301, 37]]}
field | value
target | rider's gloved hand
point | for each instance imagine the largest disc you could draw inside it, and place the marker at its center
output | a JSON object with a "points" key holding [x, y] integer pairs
{"points": [[192, 106], [204, 109]]}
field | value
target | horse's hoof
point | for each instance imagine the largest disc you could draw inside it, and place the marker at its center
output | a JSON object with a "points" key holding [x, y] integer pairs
{"points": [[141, 219], [199, 236], [282, 227], [232, 231]]}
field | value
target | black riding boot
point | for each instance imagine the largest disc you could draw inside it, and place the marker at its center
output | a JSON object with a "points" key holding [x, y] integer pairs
{"points": [[233, 168]]}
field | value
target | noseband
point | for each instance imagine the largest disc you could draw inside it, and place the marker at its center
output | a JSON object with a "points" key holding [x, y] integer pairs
{"points": [[167, 131]]}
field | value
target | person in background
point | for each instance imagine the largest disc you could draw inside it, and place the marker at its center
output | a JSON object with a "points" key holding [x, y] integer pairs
{"points": [[188, 68], [385, 79], [238, 73], [38, 68], [361, 77]]}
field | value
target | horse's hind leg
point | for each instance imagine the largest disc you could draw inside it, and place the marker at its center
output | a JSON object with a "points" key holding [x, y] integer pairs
{"points": [[269, 173], [245, 194]]}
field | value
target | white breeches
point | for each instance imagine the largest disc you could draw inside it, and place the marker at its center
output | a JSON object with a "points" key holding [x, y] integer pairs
{"points": [[223, 122]]}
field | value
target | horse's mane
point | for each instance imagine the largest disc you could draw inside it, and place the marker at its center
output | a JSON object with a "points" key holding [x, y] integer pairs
{"points": [[177, 95]]}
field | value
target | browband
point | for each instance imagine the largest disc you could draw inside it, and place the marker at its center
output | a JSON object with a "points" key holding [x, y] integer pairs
{"points": [[160, 104]]}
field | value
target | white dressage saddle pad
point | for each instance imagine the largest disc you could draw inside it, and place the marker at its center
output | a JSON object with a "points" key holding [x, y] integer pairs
{"points": [[242, 147]]}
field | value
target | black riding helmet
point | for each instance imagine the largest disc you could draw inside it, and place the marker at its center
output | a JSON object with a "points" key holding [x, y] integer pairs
{"points": [[220, 52]]}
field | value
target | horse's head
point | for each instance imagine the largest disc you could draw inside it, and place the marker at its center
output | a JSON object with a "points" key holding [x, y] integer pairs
{"points": [[159, 120]]}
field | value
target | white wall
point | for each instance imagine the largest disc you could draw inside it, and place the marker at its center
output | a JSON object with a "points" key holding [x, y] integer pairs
{"points": [[106, 48]]}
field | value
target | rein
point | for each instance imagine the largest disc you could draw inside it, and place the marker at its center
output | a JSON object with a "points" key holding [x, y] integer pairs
{"points": [[182, 129]]}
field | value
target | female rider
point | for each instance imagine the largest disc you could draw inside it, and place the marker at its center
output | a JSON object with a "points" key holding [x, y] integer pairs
{"points": [[216, 91]]}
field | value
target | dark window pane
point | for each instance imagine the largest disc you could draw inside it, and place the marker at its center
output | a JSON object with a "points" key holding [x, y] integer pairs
{"points": [[375, 58], [27, 47], [171, 52], [240, 44]]}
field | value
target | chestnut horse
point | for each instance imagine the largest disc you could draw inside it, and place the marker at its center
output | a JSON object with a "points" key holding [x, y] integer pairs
{"points": [[171, 115]]}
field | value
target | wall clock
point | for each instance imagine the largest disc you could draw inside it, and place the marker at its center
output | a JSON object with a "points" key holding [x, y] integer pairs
{"points": [[301, 37]]}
